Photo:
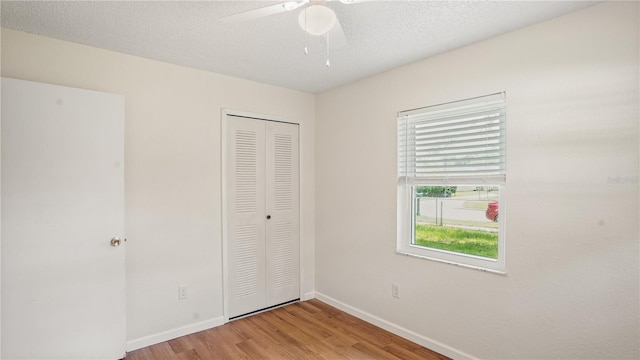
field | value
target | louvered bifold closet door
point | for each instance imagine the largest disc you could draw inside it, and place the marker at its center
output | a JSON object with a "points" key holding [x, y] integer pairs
{"points": [[282, 229], [245, 215]]}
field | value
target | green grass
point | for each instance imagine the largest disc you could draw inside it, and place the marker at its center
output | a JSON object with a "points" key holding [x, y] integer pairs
{"points": [[477, 195], [472, 242]]}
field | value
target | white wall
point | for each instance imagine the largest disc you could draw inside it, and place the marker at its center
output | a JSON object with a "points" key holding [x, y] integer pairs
{"points": [[572, 251], [173, 181], [572, 223]]}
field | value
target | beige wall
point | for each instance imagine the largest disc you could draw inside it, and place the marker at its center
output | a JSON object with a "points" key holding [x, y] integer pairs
{"points": [[572, 251], [173, 170], [572, 195]]}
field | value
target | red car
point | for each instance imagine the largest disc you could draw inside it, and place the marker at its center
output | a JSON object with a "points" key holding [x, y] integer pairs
{"points": [[492, 211]]}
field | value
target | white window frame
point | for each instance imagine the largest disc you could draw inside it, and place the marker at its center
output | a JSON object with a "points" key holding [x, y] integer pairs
{"points": [[406, 207]]}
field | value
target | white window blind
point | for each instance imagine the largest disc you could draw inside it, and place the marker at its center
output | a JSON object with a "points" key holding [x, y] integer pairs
{"points": [[462, 142]]}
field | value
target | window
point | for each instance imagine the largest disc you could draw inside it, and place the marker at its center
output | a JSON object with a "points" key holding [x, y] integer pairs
{"points": [[452, 182]]}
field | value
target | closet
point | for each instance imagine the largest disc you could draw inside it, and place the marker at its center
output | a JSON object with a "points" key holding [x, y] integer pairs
{"points": [[261, 222]]}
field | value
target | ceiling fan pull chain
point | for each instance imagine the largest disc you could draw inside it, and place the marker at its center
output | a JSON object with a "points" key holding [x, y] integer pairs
{"points": [[306, 34], [328, 63], [306, 44], [306, 48]]}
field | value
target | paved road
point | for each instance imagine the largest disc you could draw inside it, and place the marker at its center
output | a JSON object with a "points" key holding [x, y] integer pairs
{"points": [[452, 208]]}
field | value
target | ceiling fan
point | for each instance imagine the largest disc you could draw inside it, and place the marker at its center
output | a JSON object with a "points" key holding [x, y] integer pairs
{"points": [[315, 18]]}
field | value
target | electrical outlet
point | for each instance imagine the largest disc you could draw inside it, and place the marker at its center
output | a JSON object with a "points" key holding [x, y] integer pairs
{"points": [[395, 290], [182, 292]]}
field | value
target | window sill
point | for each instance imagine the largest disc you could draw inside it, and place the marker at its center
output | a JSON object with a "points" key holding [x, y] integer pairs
{"points": [[478, 268]]}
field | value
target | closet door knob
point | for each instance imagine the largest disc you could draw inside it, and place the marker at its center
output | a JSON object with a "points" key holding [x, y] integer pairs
{"points": [[115, 242], [268, 217]]}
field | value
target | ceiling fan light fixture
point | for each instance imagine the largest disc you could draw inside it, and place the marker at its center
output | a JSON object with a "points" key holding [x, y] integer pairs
{"points": [[317, 19]]}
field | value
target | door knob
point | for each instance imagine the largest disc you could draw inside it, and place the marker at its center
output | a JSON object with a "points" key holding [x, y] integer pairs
{"points": [[115, 242], [268, 217]]}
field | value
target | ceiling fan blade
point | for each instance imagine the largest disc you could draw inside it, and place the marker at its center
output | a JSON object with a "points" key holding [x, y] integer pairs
{"points": [[264, 11], [349, 2], [337, 38]]}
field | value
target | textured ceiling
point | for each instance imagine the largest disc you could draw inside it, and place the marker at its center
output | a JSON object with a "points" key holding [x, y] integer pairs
{"points": [[381, 34]]}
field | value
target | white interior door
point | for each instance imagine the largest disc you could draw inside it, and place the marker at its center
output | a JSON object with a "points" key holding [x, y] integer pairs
{"points": [[282, 207], [261, 214], [63, 283], [245, 216]]}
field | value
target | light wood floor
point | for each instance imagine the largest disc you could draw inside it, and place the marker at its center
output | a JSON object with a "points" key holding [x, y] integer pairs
{"points": [[306, 330]]}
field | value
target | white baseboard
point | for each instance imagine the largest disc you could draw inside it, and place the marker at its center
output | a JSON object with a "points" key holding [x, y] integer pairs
{"points": [[396, 329], [172, 334], [308, 296]]}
